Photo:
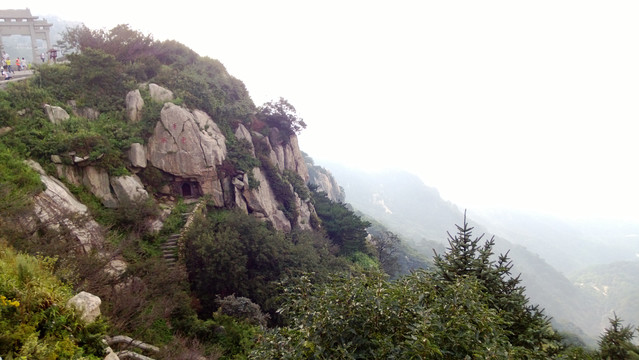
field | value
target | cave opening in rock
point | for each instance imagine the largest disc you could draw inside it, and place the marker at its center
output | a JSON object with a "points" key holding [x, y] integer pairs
{"points": [[187, 190]]}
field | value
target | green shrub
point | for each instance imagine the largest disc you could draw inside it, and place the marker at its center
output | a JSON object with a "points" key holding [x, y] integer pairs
{"points": [[298, 184], [18, 183], [34, 321]]}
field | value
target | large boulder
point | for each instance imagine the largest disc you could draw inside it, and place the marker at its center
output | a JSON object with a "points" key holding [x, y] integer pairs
{"points": [[189, 145], [71, 173], [56, 114], [128, 189], [57, 208], [137, 155], [160, 94], [87, 304], [134, 104], [97, 181]]}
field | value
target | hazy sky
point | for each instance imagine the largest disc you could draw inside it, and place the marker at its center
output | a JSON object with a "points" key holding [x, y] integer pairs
{"points": [[531, 105]]}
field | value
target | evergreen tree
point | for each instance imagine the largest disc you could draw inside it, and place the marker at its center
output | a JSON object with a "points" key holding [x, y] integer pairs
{"points": [[526, 325], [615, 343], [342, 225]]}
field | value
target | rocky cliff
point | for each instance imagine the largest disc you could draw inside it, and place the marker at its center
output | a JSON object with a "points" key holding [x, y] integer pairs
{"points": [[324, 180], [190, 150]]}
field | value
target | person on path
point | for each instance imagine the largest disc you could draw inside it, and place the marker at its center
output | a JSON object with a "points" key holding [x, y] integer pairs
{"points": [[42, 57], [18, 64], [5, 74]]}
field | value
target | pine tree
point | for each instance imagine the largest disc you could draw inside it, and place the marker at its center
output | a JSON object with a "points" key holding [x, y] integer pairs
{"points": [[615, 343], [526, 324]]}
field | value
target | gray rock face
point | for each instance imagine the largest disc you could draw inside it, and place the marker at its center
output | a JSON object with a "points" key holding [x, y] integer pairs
{"points": [[115, 268], [288, 154], [257, 137], [134, 105], [110, 355], [85, 112], [87, 304], [160, 94], [128, 189], [97, 181], [189, 145], [57, 208], [304, 208], [56, 114], [71, 173], [242, 133], [262, 203], [325, 182], [137, 155]]}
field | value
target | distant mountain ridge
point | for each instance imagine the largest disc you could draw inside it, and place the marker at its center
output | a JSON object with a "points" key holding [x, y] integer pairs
{"points": [[401, 202]]}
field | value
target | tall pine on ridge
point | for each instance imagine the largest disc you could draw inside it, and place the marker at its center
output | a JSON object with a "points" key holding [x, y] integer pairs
{"points": [[526, 325]]}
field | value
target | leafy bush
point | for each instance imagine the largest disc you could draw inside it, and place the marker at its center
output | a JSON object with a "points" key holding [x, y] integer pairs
{"points": [[18, 183], [298, 184], [242, 308], [34, 321], [343, 226], [100, 80], [232, 253], [281, 115], [240, 157]]}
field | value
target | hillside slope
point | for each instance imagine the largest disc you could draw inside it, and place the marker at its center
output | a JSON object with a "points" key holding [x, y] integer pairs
{"points": [[400, 201]]}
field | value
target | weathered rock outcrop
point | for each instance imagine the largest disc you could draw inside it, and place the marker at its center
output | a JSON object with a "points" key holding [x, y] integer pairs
{"points": [[56, 114], [137, 155], [288, 154], [87, 304], [134, 105], [325, 182], [128, 189], [57, 208], [262, 202], [97, 181], [83, 111], [241, 133], [160, 94], [190, 145]]}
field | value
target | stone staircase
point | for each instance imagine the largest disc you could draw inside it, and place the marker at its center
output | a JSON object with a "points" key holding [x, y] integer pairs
{"points": [[171, 247]]}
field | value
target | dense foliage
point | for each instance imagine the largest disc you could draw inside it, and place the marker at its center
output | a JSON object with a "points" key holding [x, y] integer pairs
{"points": [[342, 225], [281, 115], [616, 341], [467, 308], [526, 325], [35, 322], [230, 252]]}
